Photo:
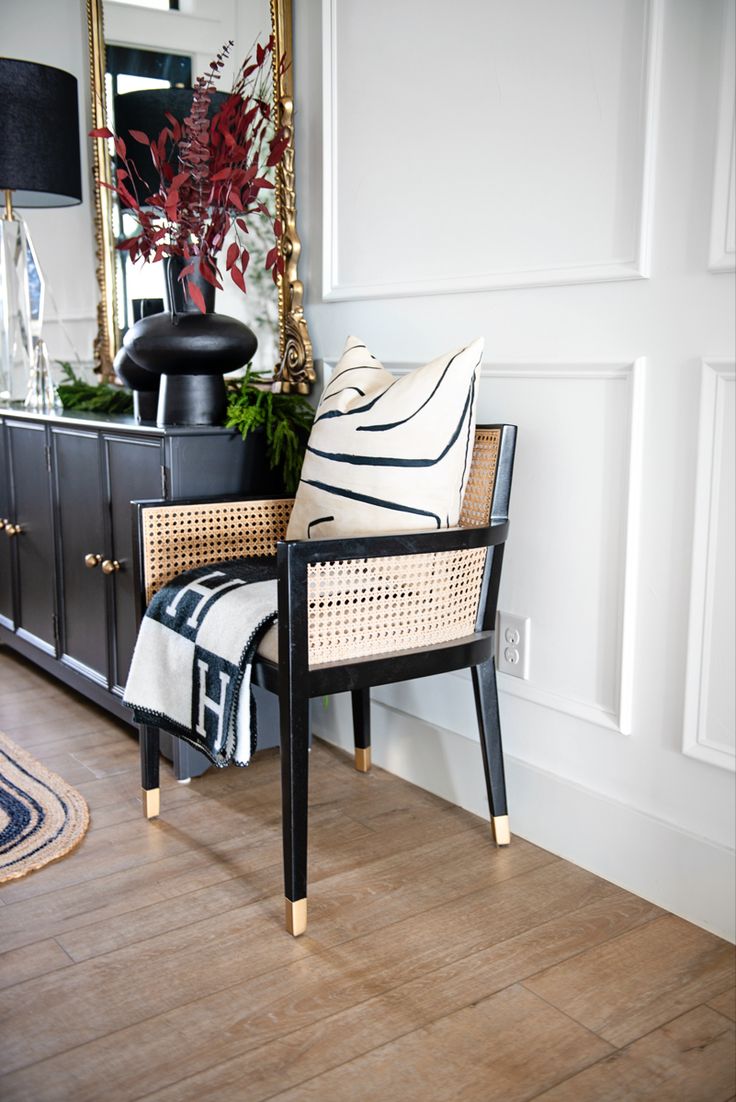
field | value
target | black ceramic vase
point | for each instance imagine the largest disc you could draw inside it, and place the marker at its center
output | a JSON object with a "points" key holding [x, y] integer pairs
{"points": [[190, 351]]}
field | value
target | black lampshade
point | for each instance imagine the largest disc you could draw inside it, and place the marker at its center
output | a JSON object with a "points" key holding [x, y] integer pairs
{"points": [[146, 111], [39, 135]]}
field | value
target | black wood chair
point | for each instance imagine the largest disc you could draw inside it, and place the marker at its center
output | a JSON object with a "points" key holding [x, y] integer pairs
{"points": [[353, 613]]}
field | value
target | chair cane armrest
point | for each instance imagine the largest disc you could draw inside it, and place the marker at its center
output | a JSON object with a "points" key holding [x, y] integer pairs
{"points": [[350, 598], [413, 543], [173, 536]]}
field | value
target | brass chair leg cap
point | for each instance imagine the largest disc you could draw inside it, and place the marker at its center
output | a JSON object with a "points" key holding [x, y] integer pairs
{"points": [[501, 831], [296, 916], [363, 759], [151, 802]]}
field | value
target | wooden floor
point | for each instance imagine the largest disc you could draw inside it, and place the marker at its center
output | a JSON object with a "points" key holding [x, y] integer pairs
{"points": [[152, 962]]}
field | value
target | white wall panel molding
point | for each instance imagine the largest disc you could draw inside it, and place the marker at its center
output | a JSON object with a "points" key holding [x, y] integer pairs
{"points": [[347, 233], [710, 715], [723, 213], [611, 708]]}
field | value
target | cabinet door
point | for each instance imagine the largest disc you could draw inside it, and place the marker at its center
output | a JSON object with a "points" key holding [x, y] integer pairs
{"points": [[133, 471], [6, 577], [29, 465], [83, 612]]}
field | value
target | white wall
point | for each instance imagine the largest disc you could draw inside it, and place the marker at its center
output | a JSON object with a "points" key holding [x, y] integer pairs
{"points": [[555, 175]]}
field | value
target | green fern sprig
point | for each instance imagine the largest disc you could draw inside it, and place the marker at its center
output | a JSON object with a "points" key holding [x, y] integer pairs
{"points": [[285, 418]]}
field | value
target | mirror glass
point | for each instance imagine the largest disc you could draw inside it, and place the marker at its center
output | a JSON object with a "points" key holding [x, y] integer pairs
{"points": [[129, 55]]}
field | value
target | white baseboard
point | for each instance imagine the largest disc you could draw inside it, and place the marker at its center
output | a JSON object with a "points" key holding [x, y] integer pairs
{"points": [[690, 876]]}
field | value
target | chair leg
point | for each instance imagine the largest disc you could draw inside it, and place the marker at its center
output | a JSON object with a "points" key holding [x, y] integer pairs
{"points": [[294, 723], [489, 725], [149, 752], [362, 728]]}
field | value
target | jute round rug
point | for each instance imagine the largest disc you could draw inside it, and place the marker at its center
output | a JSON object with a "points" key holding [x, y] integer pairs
{"points": [[41, 816]]}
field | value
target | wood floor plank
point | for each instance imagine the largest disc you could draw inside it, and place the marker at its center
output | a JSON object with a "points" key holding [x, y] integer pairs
{"points": [[725, 1003], [78, 713], [336, 1039], [32, 960], [380, 892], [81, 904], [263, 1001], [109, 992], [505, 1048], [640, 980], [690, 1059], [42, 741]]}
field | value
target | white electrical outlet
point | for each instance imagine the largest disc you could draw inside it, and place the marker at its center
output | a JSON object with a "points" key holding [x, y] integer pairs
{"points": [[512, 644]]}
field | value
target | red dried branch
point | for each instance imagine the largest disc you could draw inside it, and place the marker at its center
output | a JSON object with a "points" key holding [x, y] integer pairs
{"points": [[221, 170]]}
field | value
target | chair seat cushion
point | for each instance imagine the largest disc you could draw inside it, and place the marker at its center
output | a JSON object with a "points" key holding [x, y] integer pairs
{"points": [[386, 453]]}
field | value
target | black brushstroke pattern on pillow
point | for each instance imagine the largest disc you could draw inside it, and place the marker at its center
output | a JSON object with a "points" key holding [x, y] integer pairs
{"points": [[388, 454]]}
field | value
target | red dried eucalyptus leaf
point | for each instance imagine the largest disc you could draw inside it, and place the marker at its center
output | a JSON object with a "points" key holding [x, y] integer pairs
{"points": [[208, 274], [101, 132], [272, 256], [232, 255], [244, 259], [139, 136], [238, 278], [120, 148], [128, 199], [196, 296], [278, 229], [223, 174], [175, 125], [278, 148]]}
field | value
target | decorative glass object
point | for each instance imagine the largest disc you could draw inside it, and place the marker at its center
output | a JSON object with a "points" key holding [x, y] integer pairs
{"points": [[41, 396], [16, 342]]}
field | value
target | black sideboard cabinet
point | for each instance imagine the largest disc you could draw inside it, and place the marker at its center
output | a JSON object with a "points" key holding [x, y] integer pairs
{"points": [[66, 541]]}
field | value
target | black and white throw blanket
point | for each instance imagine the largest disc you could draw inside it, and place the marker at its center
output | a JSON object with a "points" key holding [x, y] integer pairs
{"points": [[190, 673]]}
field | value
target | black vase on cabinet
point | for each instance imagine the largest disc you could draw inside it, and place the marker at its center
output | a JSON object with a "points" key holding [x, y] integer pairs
{"points": [[190, 351]]}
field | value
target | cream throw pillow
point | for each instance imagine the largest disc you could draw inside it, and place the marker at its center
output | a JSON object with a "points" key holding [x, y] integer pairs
{"points": [[388, 454]]}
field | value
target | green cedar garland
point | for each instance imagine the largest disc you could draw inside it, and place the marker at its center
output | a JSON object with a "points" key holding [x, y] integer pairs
{"points": [[74, 393]]}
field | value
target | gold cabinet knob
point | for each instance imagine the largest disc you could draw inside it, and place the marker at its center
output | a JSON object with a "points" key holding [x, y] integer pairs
{"points": [[3, 522], [91, 561], [110, 566], [13, 529]]}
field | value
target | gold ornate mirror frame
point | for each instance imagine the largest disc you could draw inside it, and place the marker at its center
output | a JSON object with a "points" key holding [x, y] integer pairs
{"points": [[295, 370]]}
